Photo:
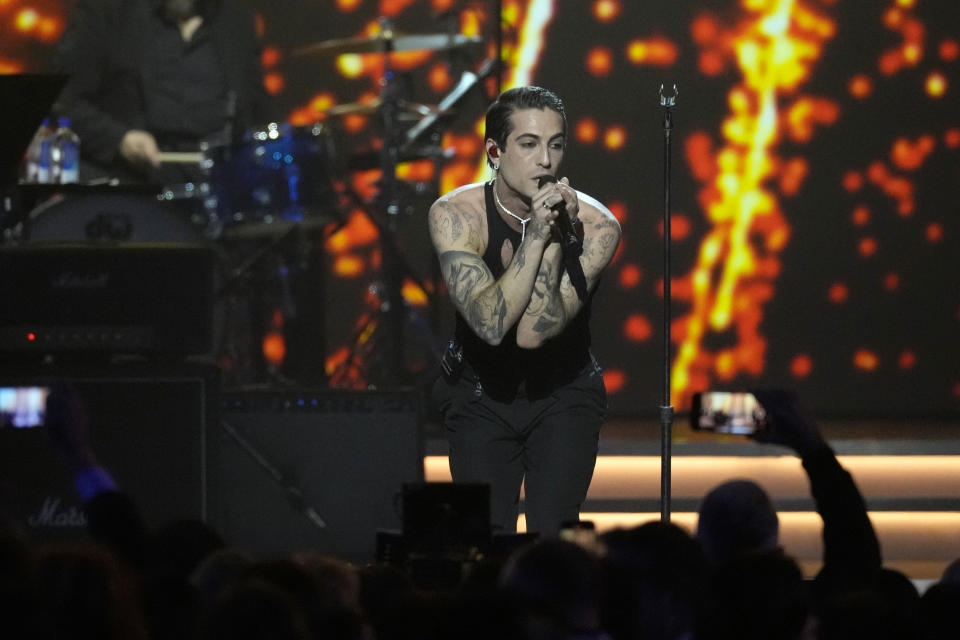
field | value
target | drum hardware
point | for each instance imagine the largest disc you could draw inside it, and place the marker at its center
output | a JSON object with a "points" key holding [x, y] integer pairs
{"points": [[263, 198], [182, 157], [107, 214], [275, 173], [380, 345], [270, 227], [377, 345], [276, 272], [468, 80], [388, 41], [393, 316], [371, 159], [408, 110]]}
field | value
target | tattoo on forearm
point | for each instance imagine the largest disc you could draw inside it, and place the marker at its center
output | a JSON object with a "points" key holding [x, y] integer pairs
{"points": [[487, 317], [464, 272], [552, 315], [541, 290], [545, 302], [520, 257], [540, 231], [544, 324]]}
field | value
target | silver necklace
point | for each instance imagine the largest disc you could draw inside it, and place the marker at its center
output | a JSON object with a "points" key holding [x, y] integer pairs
{"points": [[523, 221]]}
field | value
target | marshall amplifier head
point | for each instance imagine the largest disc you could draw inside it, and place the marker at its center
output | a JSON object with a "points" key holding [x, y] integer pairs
{"points": [[131, 299]]}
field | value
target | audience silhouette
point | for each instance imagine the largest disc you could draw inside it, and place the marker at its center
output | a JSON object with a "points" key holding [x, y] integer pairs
{"points": [[729, 580]]}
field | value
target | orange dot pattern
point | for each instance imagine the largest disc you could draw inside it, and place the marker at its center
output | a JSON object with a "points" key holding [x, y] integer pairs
{"points": [[745, 182]]}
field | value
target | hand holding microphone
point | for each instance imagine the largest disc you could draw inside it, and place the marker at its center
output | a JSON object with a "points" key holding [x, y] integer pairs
{"points": [[569, 243], [569, 240]]}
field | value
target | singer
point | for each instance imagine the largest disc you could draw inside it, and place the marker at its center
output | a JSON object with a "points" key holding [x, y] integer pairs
{"points": [[522, 397]]}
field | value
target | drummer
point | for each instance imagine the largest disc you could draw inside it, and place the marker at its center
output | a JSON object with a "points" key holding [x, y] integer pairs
{"points": [[155, 76]]}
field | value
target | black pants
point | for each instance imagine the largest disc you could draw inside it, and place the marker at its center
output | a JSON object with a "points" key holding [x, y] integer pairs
{"points": [[548, 443]]}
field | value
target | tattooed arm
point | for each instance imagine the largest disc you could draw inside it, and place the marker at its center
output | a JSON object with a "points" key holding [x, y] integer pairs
{"points": [[490, 306], [554, 302]]}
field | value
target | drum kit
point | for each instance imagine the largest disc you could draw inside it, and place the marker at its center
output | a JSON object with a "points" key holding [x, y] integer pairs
{"points": [[271, 186]]}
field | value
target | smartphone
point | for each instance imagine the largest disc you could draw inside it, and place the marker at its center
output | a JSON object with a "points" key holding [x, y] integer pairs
{"points": [[736, 412], [22, 407], [581, 532]]}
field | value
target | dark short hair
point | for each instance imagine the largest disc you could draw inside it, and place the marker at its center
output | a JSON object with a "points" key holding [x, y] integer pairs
{"points": [[498, 125], [734, 517]]}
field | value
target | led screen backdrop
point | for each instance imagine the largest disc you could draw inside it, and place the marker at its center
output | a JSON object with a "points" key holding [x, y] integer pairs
{"points": [[815, 173]]}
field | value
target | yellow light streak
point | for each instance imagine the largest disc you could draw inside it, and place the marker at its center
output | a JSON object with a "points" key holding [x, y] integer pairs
{"points": [[775, 50], [524, 57]]}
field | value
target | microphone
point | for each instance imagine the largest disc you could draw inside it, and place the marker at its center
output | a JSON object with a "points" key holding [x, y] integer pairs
{"points": [[569, 240]]}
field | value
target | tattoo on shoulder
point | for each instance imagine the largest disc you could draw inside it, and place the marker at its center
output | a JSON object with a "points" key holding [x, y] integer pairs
{"points": [[605, 222], [601, 242], [451, 224], [607, 240]]}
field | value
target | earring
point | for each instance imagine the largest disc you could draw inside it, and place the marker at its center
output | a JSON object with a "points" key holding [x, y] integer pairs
{"points": [[496, 167]]}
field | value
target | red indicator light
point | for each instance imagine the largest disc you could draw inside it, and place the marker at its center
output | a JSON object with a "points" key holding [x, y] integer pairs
{"points": [[31, 336]]}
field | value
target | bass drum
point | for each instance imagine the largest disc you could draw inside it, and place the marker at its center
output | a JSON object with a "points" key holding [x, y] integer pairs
{"points": [[113, 218]]}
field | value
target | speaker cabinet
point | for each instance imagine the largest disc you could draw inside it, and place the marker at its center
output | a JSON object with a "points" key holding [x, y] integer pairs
{"points": [[147, 426], [320, 469]]}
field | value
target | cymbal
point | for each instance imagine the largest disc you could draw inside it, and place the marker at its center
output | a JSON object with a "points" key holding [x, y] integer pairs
{"points": [[365, 160], [370, 107], [350, 108], [386, 42]]}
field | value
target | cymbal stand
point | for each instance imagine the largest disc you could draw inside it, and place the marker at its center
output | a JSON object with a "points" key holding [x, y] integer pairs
{"points": [[389, 204], [369, 324], [398, 144]]}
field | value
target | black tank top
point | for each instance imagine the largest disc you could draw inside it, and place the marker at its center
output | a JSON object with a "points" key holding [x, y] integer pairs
{"points": [[506, 370]]}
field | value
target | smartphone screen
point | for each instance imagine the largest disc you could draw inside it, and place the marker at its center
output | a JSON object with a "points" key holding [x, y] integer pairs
{"points": [[736, 412], [22, 407]]}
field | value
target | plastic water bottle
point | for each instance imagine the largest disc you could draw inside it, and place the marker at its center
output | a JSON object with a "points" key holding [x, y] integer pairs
{"points": [[66, 154], [45, 163], [31, 165]]}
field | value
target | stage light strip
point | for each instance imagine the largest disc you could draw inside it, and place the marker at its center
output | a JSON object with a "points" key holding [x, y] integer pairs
{"points": [[634, 477], [889, 476]]}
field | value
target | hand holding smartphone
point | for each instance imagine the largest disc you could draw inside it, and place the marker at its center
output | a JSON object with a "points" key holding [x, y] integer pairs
{"points": [[23, 407], [731, 412]]}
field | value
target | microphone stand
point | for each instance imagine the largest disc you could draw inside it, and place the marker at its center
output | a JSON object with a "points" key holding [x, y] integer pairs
{"points": [[666, 409], [292, 490]]}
